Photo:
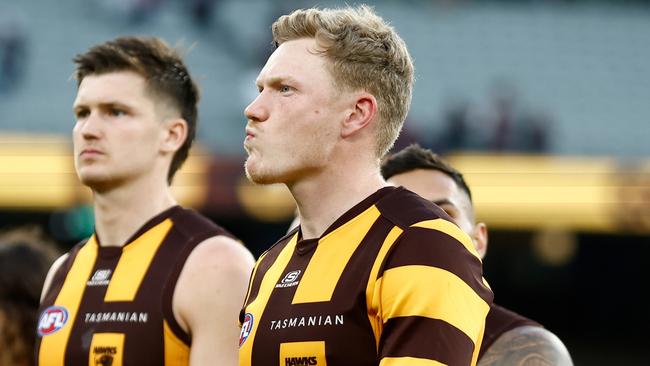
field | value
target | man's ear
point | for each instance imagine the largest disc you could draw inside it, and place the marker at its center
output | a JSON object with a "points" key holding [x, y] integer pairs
{"points": [[480, 237], [174, 135], [365, 109]]}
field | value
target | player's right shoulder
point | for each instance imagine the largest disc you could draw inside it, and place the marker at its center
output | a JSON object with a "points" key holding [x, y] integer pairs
{"points": [[50, 274], [524, 345]]}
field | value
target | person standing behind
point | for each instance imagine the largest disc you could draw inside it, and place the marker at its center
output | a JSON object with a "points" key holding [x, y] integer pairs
{"points": [[374, 274], [509, 339], [25, 256], [156, 284]]}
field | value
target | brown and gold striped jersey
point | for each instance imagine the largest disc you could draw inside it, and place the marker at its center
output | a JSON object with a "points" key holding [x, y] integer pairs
{"points": [[391, 282], [112, 306]]}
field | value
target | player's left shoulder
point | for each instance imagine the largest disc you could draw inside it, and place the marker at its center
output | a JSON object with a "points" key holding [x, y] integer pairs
{"points": [[214, 279], [219, 252], [527, 344]]}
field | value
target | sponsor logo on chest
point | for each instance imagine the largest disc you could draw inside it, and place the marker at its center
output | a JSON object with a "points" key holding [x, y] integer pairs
{"points": [[116, 317], [289, 280], [322, 320], [101, 277]]}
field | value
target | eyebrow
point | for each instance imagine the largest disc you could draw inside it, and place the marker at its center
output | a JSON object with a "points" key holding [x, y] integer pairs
{"points": [[102, 105], [274, 80]]}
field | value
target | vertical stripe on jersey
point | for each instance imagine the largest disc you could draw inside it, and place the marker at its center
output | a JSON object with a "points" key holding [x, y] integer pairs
{"points": [[257, 306], [450, 229], [53, 346], [251, 281], [302, 353], [106, 349], [134, 263], [477, 349], [331, 256], [177, 353], [372, 297], [459, 306], [408, 361]]}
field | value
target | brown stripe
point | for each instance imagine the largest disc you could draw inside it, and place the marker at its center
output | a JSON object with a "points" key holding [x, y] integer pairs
{"points": [[267, 260], [421, 337], [427, 247], [360, 207], [360, 264], [404, 208]]}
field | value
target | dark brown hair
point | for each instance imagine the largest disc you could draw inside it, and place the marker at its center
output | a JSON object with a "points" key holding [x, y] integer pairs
{"points": [[163, 69], [416, 157], [25, 256]]}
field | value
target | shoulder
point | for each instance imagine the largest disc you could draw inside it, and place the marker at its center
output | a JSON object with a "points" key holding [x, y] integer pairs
{"points": [[214, 276], [219, 253], [527, 345], [405, 208], [52, 271]]}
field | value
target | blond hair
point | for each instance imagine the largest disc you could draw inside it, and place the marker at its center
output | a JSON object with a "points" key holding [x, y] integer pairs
{"points": [[365, 53]]}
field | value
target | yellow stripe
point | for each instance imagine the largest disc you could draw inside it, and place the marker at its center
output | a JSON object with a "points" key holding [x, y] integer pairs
{"points": [[106, 346], [408, 361], [52, 350], [372, 297], [250, 282], [477, 347], [329, 260], [134, 263], [257, 306], [434, 293], [177, 353], [450, 229]]}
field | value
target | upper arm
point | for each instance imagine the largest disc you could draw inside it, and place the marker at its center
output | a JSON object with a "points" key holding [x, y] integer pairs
{"points": [[432, 293], [50, 274], [527, 345], [208, 296]]}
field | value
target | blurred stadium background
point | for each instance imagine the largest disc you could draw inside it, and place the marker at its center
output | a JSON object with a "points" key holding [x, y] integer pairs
{"points": [[543, 104]]}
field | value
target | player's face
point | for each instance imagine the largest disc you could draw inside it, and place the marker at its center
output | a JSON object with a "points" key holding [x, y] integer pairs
{"points": [[117, 135], [440, 189], [293, 124]]}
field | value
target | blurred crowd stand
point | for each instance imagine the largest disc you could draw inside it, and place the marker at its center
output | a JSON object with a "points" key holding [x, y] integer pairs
{"points": [[13, 51]]}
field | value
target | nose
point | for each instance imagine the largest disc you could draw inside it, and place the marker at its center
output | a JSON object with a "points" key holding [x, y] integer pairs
{"points": [[89, 127], [257, 110]]}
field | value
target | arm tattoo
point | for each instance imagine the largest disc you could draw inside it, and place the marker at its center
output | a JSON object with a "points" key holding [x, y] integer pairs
{"points": [[527, 346]]}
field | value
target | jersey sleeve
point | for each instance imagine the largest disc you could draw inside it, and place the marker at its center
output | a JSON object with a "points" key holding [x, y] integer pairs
{"points": [[431, 298]]}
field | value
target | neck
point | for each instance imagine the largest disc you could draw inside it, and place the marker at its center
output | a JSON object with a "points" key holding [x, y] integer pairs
{"points": [[324, 198], [120, 212]]}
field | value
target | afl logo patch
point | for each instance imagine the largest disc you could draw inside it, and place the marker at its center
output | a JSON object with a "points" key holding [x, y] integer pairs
{"points": [[52, 320], [246, 328]]}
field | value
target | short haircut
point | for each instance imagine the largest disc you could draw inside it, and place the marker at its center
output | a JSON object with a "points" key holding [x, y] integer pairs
{"points": [[163, 69], [416, 157], [365, 53]]}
